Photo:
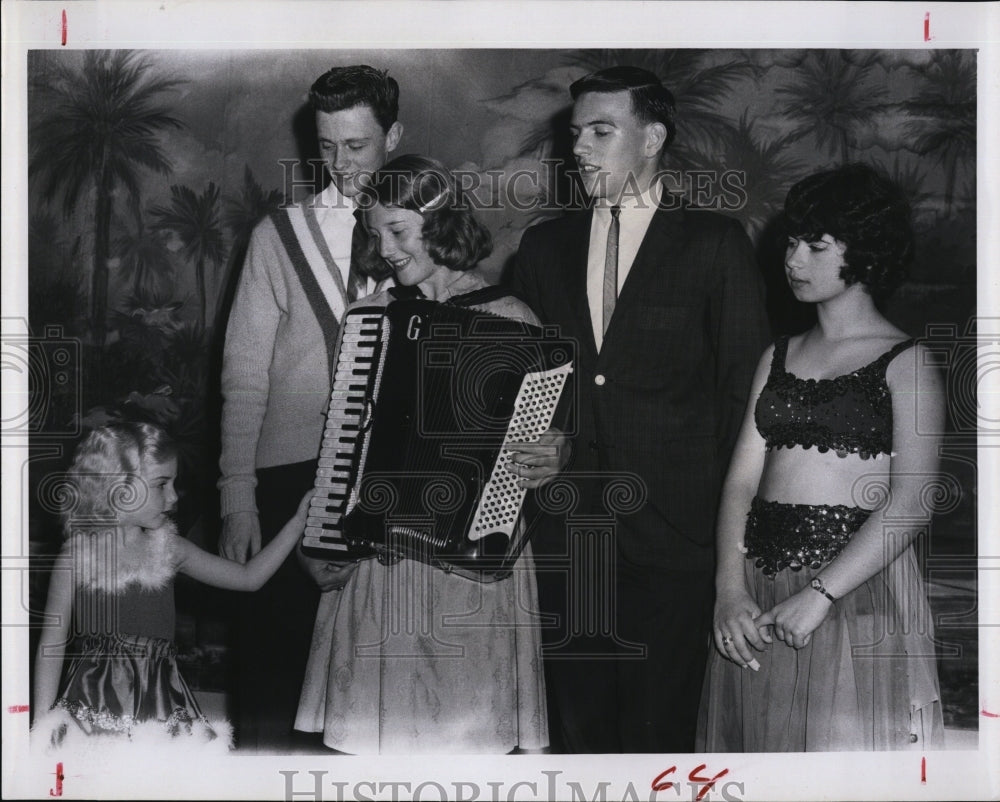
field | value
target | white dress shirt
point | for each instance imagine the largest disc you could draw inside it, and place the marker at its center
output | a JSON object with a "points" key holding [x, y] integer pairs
{"points": [[636, 213], [335, 215]]}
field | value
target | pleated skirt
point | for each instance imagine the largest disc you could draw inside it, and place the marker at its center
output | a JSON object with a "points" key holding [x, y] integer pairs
{"points": [[408, 658]]}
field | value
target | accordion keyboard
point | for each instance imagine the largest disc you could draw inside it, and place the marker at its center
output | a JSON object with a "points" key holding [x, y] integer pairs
{"points": [[356, 363]]}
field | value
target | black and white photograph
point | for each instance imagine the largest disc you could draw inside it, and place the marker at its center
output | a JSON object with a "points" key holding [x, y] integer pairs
{"points": [[500, 401]]}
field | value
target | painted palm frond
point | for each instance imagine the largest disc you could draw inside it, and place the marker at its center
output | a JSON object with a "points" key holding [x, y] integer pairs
{"points": [[154, 301], [195, 220], [754, 174], [98, 126], [186, 359], [143, 257], [699, 119], [102, 121], [910, 178], [829, 97], [944, 115], [535, 112], [242, 212], [949, 81]]}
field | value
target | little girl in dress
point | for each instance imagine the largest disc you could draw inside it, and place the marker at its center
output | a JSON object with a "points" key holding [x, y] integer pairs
{"points": [[110, 611]]}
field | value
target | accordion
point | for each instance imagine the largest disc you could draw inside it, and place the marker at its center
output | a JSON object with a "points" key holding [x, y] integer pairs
{"points": [[426, 398]]}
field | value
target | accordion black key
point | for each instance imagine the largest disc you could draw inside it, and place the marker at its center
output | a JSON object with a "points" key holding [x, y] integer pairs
{"points": [[426, 397]]}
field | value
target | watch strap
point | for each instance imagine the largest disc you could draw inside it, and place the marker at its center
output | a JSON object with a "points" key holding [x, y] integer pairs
{"points": [[817, 585]]}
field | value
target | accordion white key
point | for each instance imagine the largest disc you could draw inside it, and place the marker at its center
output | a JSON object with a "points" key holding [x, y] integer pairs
{"points": [[426, 400]]}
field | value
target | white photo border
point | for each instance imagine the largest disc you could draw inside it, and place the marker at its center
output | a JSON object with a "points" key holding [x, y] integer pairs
{"points": [[336, 24]]}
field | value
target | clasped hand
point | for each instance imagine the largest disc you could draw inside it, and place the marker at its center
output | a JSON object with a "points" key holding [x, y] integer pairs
{"points": [[536, 464], [740, 624], [735, 631], [796, 618]]}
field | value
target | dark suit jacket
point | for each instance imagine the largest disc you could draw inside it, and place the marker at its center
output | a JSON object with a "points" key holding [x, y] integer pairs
{"points": [[665, 396]]}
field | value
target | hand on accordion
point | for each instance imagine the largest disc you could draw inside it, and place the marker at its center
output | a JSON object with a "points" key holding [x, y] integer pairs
{"points": [[538, 463], [327, 574]]}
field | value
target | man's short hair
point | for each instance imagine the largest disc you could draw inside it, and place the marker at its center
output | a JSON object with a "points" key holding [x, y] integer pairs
{"points": [[651, 100], [359, 85]]}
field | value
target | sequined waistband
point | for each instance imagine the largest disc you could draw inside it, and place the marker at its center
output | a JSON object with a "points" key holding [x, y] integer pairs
{"points": [[780, 535]]}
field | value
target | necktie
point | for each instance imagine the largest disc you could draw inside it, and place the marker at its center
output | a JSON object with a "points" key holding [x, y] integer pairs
{"points": [[357, 281], [611, 268]]}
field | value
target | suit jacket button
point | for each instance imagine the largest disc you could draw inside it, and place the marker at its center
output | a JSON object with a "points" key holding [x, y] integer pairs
{"points": [[599, 379]]}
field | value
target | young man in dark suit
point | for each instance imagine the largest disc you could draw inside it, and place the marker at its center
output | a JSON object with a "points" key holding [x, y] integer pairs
{"points": [[665, 304]]}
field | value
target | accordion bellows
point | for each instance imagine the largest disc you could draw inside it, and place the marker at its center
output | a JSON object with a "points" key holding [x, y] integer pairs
{"points": [[426, 398]]}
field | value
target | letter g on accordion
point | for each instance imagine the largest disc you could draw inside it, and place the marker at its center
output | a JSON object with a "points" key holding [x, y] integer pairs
{"points": [[413, 461]]}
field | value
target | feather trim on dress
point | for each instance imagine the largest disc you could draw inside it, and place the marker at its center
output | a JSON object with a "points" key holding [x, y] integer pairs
{"points": [[58, 733], [100, 562]]}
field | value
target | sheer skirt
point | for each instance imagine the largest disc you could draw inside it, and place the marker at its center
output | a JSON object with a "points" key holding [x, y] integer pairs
{"points": [[867, 680]]}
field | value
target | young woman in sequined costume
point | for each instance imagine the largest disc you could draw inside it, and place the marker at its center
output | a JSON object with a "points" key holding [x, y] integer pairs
{"points": [[822, 629]]}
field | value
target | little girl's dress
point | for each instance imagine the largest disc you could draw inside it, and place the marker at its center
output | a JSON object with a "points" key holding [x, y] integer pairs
{"points": [[121, 687]]}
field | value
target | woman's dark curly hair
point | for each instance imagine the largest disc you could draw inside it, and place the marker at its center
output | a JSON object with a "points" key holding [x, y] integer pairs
{"points": [[863, 209], [454, 237]]}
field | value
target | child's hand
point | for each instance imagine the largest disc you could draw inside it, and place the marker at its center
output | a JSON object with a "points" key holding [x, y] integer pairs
{"points": [[303, 511]]}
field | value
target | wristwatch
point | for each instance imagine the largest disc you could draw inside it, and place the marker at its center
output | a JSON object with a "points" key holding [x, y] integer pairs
{"points": [[817, 585]]}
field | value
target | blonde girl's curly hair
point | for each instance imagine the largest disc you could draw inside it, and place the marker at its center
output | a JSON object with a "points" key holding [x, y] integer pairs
{"points": [[104, 478]]}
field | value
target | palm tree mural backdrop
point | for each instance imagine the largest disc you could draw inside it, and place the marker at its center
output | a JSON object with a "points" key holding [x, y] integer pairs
{"points": [[97, 131], [149, 170]]}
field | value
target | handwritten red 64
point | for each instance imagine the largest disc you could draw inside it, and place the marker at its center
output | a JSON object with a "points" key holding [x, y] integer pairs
{"points": [[694, 776]]}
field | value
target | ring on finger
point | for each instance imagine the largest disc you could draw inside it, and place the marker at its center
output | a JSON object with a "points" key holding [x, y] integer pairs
{"points": [[726, 640]]}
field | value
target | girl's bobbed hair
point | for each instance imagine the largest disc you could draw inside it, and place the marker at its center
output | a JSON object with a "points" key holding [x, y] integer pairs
{"points": [[454, 237], [104, 478], [862, 208]]}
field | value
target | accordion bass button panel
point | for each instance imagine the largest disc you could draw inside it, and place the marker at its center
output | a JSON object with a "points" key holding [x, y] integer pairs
{"points": [[356, 356], [534, 407]]}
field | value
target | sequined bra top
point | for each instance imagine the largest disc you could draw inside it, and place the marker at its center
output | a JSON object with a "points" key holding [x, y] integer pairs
{"points": [[849, 414]]}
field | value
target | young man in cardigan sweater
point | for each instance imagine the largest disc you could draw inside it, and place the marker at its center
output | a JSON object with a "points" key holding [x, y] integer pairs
{"points": [[302, 269]]}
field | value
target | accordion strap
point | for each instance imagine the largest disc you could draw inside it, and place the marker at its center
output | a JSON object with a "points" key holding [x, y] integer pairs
{"points": [[400, 292], [481, 296]]}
